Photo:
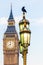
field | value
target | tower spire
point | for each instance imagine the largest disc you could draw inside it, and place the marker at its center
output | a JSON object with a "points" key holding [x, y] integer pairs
{"points": [[11, 14]]}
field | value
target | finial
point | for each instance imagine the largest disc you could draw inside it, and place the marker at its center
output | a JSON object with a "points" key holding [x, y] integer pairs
{"points": [[23, 10]]}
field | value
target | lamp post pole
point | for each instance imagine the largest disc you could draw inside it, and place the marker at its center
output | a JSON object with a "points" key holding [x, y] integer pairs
{"points": [[24, 57]]}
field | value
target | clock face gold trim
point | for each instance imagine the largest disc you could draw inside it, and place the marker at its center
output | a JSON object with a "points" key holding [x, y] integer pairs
{"points": [[10, 44]]}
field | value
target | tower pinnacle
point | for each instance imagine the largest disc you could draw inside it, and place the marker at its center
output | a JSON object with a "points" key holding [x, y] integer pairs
{"points": [[11, 14]]}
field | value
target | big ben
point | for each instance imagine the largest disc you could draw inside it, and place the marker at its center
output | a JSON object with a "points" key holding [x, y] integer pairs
{"points": [[11, 43]]}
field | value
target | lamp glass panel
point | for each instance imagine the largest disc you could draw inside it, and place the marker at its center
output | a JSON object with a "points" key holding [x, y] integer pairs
{"points": [[21, 38], [27, 26], [28, 38], [21, 27], [25, 38]]}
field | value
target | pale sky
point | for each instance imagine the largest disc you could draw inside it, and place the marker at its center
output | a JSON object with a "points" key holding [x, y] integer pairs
{"points": [[35, 16]]}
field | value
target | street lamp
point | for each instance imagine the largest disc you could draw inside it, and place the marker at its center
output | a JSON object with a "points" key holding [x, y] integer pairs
{"points": [[25, 35]]}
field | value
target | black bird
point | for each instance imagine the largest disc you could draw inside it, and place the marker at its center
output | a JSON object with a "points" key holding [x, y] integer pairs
{"points": [[23, 9]]}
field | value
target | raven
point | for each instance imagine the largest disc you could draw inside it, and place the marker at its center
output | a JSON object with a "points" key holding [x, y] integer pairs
{"points": [[23, 9]]}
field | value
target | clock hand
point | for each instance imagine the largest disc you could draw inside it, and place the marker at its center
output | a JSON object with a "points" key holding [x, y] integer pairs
{"points": [[9, 44]]}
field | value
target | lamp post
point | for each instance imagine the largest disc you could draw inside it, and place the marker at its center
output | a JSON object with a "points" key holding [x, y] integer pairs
{"points": [[25, 35]]}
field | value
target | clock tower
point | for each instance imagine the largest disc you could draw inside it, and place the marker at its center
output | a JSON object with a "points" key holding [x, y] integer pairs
{"points": [[11, 43]]}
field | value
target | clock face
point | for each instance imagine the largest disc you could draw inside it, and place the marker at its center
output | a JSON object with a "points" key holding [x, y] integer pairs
{"points": [[10, 44]]}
